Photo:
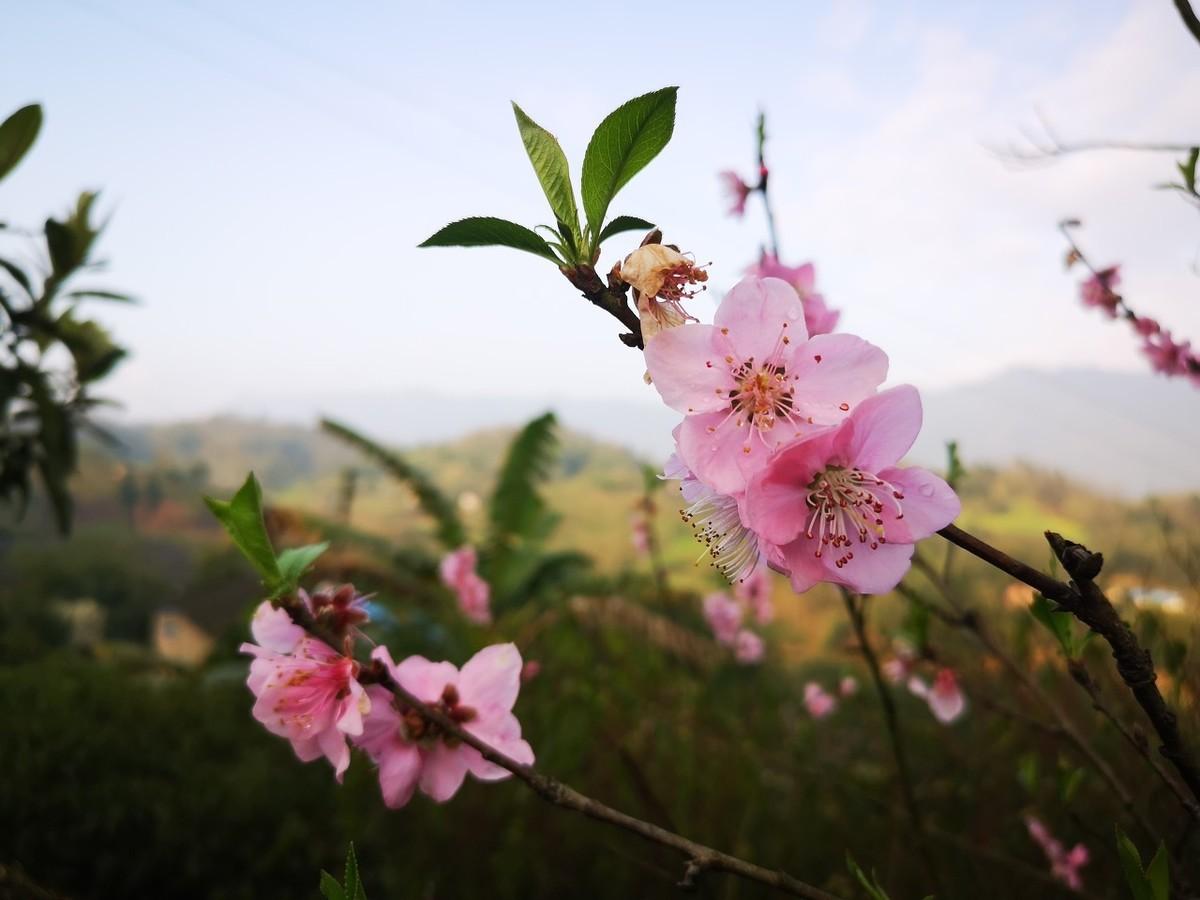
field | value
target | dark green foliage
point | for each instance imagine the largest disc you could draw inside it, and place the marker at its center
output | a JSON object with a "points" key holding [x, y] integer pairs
{"points": [[435, 504], [43, 404], [517, 511]]}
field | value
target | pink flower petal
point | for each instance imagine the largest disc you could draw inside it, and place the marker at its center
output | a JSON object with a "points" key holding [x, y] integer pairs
{"points": [[443, 772], [273, 629], [687, 367], [929, 504], [399, 772], [884, 428], [849, 370], [490, 680], [423, 679], [758, 313]]}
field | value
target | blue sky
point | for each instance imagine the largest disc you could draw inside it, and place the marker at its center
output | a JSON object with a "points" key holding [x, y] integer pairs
{"points": [[270, 168]]}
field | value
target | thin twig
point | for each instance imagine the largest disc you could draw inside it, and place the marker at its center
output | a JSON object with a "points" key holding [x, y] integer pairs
{"points": [[1083, 599], [698, 857], [855, 609], [1084, 679]]}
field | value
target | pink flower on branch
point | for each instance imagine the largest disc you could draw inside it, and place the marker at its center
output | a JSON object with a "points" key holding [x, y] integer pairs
{"points": [[305, 690], [1097, 291], [716, 522], [457, 571], [818, 316], [736, 192], [413, 752], [1064, 864], [837, 506], [753, 381], [946, 700]]}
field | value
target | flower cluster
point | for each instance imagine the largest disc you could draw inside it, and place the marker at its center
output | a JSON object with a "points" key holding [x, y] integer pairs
{"points": [[457, 571], [788, 451], [945, 697], [314, 695], [1167, 356], [1064, 864]]}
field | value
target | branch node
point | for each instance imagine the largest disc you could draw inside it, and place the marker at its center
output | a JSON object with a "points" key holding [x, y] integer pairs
{"points": [[1078, 560]]}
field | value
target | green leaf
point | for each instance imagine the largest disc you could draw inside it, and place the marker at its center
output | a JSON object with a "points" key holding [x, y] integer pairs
{"points": [[1157, 875], [1188, 169], [330, 888], [18, 275], [550, 166], [621, 224], [88, 293], [17, 134], [437, 505], [294, 562], [1070, 784], [516, 508], [954, 467], [1057, 623], [1131, 865], [870, 885], [242, 517], [93, 350], [350, 883], [488, 231], [1027, 771], [623, 144]]}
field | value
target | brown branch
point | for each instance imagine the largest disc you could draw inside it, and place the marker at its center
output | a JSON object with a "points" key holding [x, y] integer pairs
{"points": [[698, 857], [1083, 599], [855, 610], [1135, 665], [610, 297], [1190, 22]]}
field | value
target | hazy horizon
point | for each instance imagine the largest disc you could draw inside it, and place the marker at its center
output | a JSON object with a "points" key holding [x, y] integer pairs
{"points": [[273, 174]]}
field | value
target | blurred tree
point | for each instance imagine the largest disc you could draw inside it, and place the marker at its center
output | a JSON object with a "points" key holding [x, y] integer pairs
{"points": [[49, 356]]}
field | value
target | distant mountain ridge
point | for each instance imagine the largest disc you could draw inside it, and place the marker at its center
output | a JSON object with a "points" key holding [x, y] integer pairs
{"points": [[1127, 434]]}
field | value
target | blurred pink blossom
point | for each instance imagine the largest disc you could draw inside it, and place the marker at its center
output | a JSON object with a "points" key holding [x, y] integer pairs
{"points": [[1169, 357], [946, 700], [754, 593], [530, 670], [748, 647], [724, 617], [639, 533], [818, 701], [458, 573], [837, 506], [848, 686], [413, 752], [305, 690], [736, 192], [1064, 864]]}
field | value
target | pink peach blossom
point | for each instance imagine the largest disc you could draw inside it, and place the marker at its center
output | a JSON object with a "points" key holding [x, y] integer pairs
{"points": [[1170, 357], [412, 752], [531, 670], [639, 533], [837, 506], [946, 700], [753, 381], [304, 690], [736, 191], [1064, 864], [724, 617], [661, 278], [748, 647], [848, 686], [818, 316], [458, 573], [1097, 291], [818, 701]]}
